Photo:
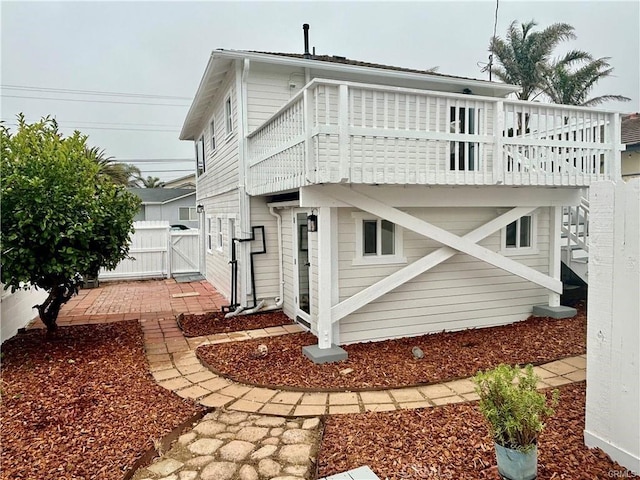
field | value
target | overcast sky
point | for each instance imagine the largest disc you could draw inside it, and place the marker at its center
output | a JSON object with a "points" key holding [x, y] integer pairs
{"points": [[158, 50]]}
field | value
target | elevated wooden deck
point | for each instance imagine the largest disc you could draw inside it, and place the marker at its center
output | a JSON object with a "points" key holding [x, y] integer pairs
{"points": [[344, 132]]}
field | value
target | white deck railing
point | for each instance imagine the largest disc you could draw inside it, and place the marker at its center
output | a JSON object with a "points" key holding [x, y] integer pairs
{"points": [[336, 132]]}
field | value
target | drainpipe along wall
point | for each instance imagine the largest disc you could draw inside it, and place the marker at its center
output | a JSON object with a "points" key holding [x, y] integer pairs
{"points": [[242, 74]]}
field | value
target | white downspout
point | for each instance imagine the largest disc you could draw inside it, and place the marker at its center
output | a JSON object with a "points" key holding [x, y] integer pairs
{"points": [[279, 299]]}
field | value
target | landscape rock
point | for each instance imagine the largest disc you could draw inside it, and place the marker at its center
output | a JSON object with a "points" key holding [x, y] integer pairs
{"points": [[236, 450], [247, 472], [268, 468], [297, 454], [218, 471], [165, 467], [205, 446]]}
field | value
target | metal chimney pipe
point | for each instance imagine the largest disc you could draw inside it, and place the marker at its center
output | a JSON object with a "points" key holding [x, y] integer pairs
{"points": [[305, 27]]}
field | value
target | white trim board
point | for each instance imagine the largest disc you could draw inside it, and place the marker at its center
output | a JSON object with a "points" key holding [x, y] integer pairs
{"points": [[441, 196]]}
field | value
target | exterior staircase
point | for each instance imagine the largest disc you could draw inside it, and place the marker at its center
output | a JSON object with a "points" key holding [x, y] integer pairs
{"points": [[575, 249]]}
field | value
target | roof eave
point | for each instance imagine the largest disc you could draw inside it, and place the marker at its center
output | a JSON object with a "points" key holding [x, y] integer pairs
{"points": [[383, 72], [188, 132]]}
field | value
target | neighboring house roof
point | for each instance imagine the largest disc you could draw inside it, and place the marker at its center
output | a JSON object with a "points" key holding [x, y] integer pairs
{"points": [[221, 61], [186, 182], [161, 195], [631, 130]]}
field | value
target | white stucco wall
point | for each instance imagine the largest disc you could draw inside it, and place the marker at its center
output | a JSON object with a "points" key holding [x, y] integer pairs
{"points": [[16, 310], [613, 332]]}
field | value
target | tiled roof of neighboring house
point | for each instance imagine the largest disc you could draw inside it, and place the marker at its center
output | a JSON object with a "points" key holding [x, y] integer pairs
{"points": [[631, 129], [161, 195], [347, 61]]}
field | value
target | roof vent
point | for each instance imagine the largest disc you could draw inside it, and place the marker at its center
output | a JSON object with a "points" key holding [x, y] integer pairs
{"points": [[305, 28]]}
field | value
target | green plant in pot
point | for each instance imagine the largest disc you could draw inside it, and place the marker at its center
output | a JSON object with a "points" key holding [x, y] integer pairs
{"points": [[516, 412]]}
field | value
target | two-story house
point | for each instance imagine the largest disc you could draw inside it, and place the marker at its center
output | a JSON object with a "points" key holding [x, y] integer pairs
{"points": [[393, 202]]}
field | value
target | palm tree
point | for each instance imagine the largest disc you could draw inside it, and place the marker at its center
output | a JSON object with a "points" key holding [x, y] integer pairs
{"points": [[568, 86], [523, 58], [109, 169], [150, 182]]}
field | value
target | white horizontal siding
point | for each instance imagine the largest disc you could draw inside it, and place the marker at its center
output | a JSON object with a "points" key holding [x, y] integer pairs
{"points": [[218, 269], [266, 269], [268, 89], [221, 173], [462, 292]]}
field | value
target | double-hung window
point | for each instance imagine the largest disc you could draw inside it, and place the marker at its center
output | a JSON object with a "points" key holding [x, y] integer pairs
{"points": [[219, 233], [228, 115], [210, 234], [378, 241], [201, 164], [212, 131]]}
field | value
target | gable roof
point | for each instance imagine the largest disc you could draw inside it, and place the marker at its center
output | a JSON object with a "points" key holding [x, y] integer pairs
{"points": [[222, 61], [631, 129], [161, 195]]}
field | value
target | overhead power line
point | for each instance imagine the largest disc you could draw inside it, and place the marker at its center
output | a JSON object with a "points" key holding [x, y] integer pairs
{"points": [[129, 129], [94, 101], [93, 92]]}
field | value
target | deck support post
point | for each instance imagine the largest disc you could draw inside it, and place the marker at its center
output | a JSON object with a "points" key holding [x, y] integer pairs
{"points": [[555, 245], [326, 350]]}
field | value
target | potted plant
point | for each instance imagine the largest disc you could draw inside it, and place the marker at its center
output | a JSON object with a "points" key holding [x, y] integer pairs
{"points": [[516, 412]]}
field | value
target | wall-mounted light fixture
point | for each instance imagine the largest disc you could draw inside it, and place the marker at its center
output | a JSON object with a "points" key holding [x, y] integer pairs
{"points": [[312, 222], [200, 208]]}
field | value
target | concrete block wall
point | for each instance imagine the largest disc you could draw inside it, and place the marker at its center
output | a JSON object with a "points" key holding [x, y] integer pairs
{"points": [[16, 310]]}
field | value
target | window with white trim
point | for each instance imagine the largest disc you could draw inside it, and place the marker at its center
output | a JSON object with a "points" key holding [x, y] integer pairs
{"points": [[212, 132], [378, 241], [219, 234], [187, 214], [228, 115], [232, 233], [519, 237], [210, 234], [464, 155], [200, 160]]}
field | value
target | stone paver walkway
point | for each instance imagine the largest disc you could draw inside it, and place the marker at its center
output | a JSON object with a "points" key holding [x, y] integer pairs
{"points": [[174, 366], [255, 433], [235, 445]]}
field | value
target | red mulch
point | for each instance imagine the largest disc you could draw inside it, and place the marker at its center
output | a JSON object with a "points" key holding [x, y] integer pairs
{"points": [[81, 404], [452, 441], [389, 364], [214, 322]]}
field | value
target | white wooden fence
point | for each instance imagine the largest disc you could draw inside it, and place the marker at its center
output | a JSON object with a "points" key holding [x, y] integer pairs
{"points": [[157, 251]]}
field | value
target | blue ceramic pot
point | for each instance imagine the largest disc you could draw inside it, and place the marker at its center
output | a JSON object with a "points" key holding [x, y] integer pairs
{"points": [[516, 465]]}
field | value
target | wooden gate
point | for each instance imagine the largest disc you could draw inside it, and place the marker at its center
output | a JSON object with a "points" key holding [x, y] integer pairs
{"points": [[185, 251], [157, 252]]}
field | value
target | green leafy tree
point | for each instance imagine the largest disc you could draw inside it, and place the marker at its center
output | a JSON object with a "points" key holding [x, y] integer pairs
{"points": [[150, 182], [60, 217], [523, 57], [570, 79]]}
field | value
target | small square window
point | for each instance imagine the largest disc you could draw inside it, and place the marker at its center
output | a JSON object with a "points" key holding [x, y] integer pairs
{"points": [[187, 214], [378, 241], [519, 237]]}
